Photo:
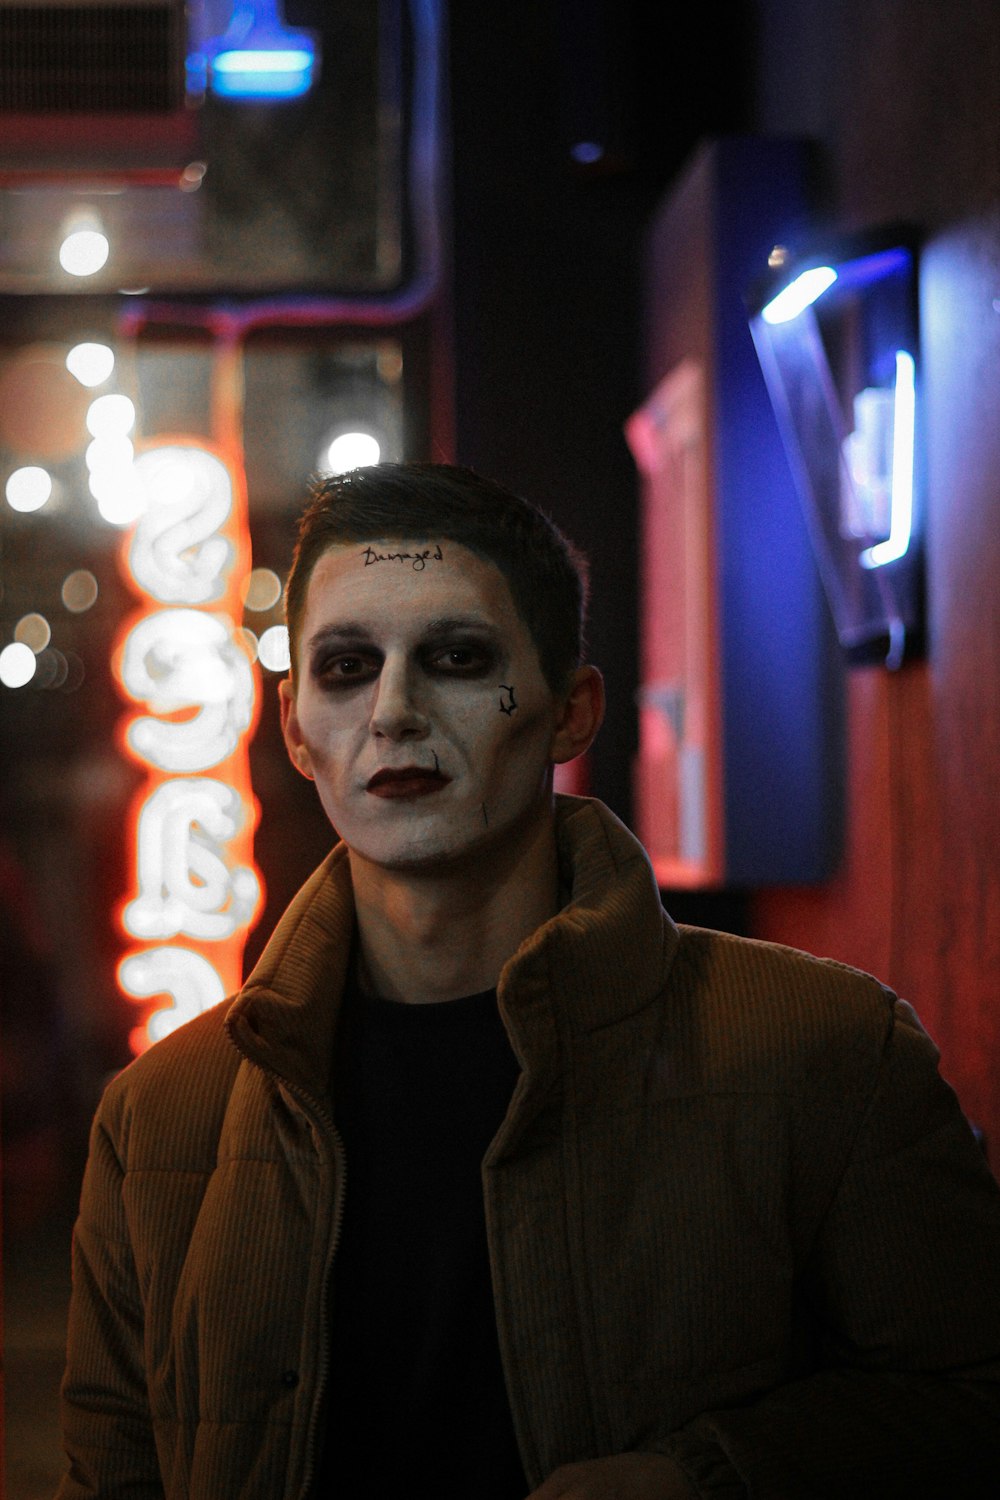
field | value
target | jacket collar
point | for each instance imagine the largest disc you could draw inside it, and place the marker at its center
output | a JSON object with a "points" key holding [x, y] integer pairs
{"points": [[601, 958], [284, 1016], [606, 953]]}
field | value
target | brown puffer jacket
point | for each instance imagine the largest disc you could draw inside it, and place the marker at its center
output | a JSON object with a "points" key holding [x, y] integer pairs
{"points": [[734, 1215]]}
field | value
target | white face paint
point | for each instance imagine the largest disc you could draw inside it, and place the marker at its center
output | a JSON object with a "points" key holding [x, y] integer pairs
{"points": [[421, 712]]}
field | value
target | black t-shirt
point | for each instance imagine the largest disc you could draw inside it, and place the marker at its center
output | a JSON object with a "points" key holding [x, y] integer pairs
{"points": [[417, 1401]]}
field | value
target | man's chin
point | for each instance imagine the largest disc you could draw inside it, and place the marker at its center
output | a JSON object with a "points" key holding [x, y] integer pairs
{"points": [[431, 857], [493, 850]]}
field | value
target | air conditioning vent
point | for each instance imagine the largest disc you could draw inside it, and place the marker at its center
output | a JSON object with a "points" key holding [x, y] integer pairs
{"points": [[92, 59]]}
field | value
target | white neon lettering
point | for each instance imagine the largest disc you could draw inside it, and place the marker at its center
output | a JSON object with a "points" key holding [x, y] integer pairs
{"points": [[186, 977], [185, 666], [177, 553], [181, 659], [186, 884]]}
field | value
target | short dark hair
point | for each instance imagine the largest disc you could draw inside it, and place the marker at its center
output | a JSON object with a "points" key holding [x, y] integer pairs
{"points": [[547, 576]]}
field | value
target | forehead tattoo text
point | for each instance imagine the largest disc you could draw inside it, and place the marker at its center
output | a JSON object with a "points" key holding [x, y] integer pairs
{"points": [[417, 560]]}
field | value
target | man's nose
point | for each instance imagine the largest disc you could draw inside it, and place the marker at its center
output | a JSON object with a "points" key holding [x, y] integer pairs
{"points": [[396, 712]]}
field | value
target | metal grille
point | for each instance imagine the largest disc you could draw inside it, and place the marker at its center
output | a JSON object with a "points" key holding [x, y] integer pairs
{"points": [[91, 59]]}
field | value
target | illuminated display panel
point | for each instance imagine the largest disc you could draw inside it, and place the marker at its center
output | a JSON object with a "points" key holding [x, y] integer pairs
{"points": [[180, 660]]}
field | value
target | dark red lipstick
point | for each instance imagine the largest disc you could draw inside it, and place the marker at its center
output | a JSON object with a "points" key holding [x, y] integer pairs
{"points": [[408, 781]]}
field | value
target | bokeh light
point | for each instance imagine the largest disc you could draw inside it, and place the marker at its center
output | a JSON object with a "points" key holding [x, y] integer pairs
{"points": [[52, 669], [263, 589], [29, 488], [17, 665], [84, 252], [91, 364], [79, 591], [33, 631], [105, 453], [75, 673], [193, 174], [351, 450], [272, 649], [110, 416]]}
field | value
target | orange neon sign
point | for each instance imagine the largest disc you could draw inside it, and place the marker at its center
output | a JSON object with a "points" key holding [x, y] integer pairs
{"points": [[195, 891]]}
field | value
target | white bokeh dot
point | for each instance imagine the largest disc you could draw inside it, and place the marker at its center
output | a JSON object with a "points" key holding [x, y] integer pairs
{"points": [[351, 450], [272, 649], [110, 416], [84, 252], [17, 665], [28, 488], [91, 364]]}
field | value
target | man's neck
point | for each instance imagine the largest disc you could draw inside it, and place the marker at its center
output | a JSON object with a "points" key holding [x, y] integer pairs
{"points": [[432, 936]]}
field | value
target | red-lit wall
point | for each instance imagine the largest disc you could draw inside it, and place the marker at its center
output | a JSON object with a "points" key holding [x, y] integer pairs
{"points": [[903, 95]]}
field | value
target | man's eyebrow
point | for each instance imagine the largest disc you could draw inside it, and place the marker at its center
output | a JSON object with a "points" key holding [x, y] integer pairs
{"points": [[354, 633], [449, 624], [347, 630]]}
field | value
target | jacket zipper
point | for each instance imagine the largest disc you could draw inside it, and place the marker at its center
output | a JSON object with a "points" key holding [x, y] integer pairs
{"points": [[324, 1124], [325, 1121]]}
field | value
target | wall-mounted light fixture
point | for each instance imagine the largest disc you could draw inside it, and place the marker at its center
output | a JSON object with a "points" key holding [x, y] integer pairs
{"points": [[258, 56], [836, 334]]}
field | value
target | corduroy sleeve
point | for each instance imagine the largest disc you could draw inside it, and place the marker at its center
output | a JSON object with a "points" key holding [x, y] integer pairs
{"points": [[107, 1431], [904, 1280]]}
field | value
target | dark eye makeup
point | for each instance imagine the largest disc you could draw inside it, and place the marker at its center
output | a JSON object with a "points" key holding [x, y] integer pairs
{"points": [[345, 668], [462, 659], [467, 659]]}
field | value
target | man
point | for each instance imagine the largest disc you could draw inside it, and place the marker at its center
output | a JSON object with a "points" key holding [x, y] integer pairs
{"points": [[491, 1181]]}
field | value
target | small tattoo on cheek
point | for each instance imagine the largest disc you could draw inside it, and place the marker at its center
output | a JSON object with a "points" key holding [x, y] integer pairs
{"points": [[508, 707], [485, 817], [437, 763]]}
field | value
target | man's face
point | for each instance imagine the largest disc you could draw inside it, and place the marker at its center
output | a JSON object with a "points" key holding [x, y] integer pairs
{"points": [[421, 710]]}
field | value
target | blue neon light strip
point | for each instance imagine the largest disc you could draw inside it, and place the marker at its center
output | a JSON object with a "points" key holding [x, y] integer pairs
{"points": [[294, 60], [875, 267], [903, 426], [255, 74]]}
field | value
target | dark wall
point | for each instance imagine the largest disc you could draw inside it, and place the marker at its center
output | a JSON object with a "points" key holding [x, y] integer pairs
{"points": [[547, 260]]}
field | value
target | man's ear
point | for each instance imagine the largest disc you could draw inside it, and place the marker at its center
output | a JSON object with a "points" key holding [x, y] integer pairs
{"points": [[581, 714], [291, 729]]}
